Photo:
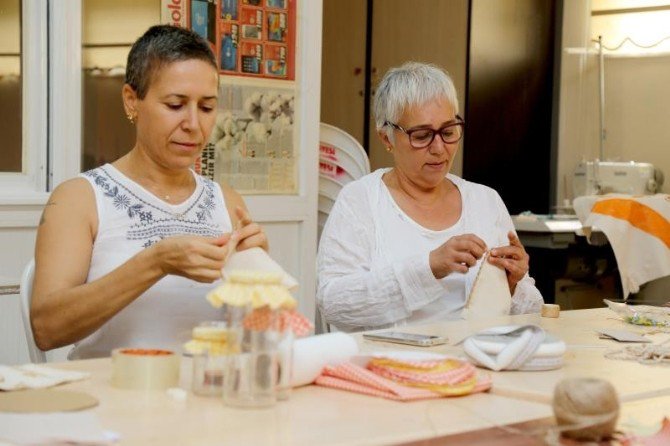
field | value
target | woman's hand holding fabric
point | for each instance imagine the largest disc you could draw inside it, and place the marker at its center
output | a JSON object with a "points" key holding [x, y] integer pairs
{"points": [[196, 258], [457, 254], [513, 259], [249, 234]]}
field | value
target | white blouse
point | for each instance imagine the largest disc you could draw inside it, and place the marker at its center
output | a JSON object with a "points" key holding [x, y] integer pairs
{"points": [[373, 261]]}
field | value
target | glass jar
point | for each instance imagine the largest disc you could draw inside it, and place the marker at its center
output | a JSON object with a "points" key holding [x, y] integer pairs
{"points": [[212, 349], [252, 373], [285, 363]]}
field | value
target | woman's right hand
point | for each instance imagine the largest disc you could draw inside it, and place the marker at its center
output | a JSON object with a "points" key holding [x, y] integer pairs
{"points": [[457, 254], [196, 258]]}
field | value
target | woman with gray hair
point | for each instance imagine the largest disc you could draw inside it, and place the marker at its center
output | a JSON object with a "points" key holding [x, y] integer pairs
{"points": [[403, 244]]}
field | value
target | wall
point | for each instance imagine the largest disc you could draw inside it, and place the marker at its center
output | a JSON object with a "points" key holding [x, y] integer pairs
{"points": [[438, 34], [509, 135], [636, 87], [637, 113], [578, 109], [343, 66], [636, 84]]}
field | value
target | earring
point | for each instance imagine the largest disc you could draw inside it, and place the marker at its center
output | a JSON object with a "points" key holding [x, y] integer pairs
{"points": [[389, 148], [131, 118]]}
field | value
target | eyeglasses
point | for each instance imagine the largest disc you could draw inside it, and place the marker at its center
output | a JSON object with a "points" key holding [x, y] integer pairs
{"points": [[423, 137]]}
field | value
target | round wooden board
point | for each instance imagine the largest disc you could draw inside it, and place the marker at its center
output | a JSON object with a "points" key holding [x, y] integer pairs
{"points": [[45, 400]]}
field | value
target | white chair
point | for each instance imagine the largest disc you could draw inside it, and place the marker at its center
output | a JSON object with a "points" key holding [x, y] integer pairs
{"points": [[341, 160], [26, 291], [347, 153]]}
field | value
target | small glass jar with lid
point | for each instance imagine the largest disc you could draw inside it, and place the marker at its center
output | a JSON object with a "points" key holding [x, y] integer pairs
{"points": [[210, 349]]}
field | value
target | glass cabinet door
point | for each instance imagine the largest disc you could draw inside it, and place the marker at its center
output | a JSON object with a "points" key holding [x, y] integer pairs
{"points": [[109, 28], [11, 159]]}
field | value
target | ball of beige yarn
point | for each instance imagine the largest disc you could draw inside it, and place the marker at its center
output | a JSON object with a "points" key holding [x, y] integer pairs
{"points": [[589, 404]]}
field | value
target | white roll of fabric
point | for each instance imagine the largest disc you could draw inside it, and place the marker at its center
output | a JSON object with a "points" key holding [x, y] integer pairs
{"points": [[311, 355], [515, 347]]}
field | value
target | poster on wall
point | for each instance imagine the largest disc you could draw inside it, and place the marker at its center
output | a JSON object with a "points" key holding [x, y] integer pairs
{"points": [[174, 12], [252, 147], [254, 38]]}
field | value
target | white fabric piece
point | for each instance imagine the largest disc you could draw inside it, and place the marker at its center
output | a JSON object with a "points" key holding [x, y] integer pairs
{"points": [[373, 261], [515, 347], [257, 259], [490, 294], [33, 376], [312, 354], [53, 428], [640, 256], [130, 218]]}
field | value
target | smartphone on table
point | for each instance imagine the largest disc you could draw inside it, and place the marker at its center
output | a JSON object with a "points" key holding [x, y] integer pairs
{"points": [[418, 340]]}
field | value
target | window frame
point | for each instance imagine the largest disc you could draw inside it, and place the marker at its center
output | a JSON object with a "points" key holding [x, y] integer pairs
{"points": [[29, 187], [65, 90]]}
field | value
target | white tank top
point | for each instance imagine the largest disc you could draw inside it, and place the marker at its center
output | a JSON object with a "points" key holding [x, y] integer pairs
{"points": [[130, 218], [410, 238]]}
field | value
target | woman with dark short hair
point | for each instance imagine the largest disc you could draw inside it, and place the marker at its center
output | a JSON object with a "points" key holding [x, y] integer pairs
{"points": [[126, 252]]}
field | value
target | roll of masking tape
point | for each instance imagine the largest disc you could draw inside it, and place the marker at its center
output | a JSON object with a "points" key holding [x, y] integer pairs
{"points": [[144, 369], [550, 310]]}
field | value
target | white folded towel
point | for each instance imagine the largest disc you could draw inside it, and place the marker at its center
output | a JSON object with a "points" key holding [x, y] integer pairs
{"points": [[33, 376]]}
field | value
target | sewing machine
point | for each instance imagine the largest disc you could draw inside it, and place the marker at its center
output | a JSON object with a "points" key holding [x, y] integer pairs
{"points": [[602, 177]]}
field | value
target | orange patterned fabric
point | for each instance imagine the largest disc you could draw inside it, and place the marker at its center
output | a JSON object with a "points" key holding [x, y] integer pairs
{"points": [[406, 380], [354, 378], [450, 377], [637, 214], [262, 319]]}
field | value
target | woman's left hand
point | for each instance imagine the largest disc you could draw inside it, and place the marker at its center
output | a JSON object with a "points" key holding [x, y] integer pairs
{"points": [[513, 259], [248, 233]]}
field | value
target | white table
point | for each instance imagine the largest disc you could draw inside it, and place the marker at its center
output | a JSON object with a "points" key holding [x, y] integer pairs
{"points": [[316, 415], [584, 356]]}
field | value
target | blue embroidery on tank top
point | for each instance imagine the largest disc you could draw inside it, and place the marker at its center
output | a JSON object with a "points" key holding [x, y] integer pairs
{"points": [[153, 223]]}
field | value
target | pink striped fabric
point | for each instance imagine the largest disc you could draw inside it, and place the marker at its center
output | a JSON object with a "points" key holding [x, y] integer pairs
{"points": [[383, 382], [354, 378]]}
